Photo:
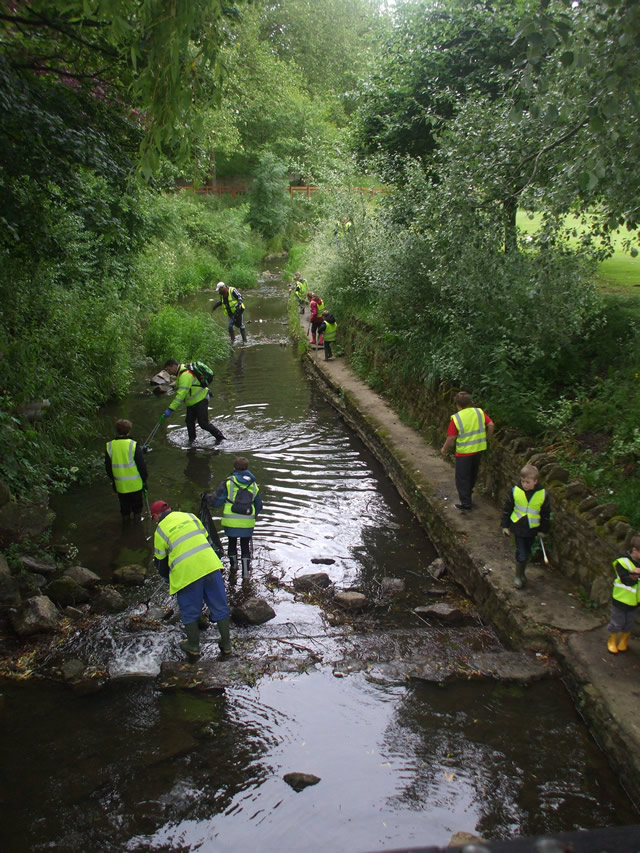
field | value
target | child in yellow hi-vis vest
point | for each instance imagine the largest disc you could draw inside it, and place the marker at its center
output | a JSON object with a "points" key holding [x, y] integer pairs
{"points": [[526, 514], [624, 598]]}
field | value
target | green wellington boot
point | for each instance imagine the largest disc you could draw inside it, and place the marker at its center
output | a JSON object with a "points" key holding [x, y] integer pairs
{"points": [[192, 644], [520, 580], [224, 643]]}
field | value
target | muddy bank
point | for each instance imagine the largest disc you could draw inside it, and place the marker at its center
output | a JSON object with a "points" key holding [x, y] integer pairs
{"points": [[548, 617]]}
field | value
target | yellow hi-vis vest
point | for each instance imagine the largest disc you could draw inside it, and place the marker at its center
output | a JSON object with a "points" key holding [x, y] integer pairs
{"points": [[330, 331], [181, 537], [531, 509], [234, 519], [125, 471], [234, 303], [188, 389], [621, 592], [472, 434]]}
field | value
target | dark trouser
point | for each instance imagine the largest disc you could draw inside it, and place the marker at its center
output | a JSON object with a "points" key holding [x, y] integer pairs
{"points": [[236, 319], [245, 546], [466, 475], [524, 545], [200, 412], [130, 502], [622, 618], [314, 329], [327, 348]]}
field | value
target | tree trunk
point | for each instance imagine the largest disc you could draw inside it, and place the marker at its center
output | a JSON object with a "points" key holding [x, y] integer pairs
{"points": [[510, 208]]}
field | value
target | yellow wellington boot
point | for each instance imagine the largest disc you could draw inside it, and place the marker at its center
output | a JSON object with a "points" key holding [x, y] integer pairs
{"points": [[612, 644], [623, 643]]}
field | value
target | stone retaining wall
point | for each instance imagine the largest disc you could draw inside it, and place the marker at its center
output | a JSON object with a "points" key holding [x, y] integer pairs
{"points": [[587, 534]]}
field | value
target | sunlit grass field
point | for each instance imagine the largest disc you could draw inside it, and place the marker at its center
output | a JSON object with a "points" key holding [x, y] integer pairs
{"points": [[621, 271]]}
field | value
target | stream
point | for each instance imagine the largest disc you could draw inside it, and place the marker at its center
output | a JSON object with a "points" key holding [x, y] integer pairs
{"points": [[136, 768]]}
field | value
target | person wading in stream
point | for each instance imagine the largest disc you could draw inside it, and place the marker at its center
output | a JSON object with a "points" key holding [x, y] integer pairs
{"points": [[469, 429], [231, 299], [192, 390], [125, 465], [242, 502], [184, 557]]}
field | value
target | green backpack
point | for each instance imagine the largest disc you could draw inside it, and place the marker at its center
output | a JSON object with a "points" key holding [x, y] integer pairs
{"points": [[201, 371]]}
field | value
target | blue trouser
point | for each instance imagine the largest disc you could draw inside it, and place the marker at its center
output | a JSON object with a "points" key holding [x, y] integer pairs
{"points": [[210, 590]]}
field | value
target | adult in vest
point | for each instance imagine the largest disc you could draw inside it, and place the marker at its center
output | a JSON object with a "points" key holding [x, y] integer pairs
{"points": [[624, 598], [184, 557], [195, 395], [238, 521], [300, 290], [125, 466], [526, 514], [231, 300], [468, 431], [328, 330], [316, 304]]}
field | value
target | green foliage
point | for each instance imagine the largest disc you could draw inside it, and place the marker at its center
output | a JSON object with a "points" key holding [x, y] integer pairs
{"points": [[185, 336], [269, 205], [73, 312]]}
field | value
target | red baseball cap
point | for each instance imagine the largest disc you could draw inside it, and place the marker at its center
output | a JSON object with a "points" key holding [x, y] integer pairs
{"points": [[158, 507]]}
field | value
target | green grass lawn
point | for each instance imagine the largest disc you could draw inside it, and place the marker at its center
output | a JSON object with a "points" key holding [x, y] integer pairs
{"points": [[619, 272]]}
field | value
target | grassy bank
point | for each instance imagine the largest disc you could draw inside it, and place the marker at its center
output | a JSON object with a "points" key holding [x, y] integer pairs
{"points": [[79, 316]]}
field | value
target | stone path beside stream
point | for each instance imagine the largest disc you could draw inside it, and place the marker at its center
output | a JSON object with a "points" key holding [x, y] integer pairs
{"points": [[548, 616]]}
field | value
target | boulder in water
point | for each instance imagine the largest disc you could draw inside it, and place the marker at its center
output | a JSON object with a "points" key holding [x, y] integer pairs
{"points": [[82, 576], [66, 591], [351, 600], [130, 575], [108, 600], [300, 781], [38, 615], [253, 611], [310, 582]]}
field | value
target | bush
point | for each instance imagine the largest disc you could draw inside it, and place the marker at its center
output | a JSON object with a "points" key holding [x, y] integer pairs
{"points": [[176, 333]]}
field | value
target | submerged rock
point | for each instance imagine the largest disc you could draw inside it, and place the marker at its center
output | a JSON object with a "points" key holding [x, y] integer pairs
{"points": [[300, 781], [308, 583], [392, 586], [323, 561], [253, 611], [38, 615], [441, 612]]}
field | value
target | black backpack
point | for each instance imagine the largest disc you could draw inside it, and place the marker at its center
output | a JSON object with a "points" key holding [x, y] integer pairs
{"points": [[202, 372], [243, 502]]}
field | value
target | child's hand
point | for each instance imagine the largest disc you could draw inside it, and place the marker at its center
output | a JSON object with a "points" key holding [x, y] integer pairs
{"points": [[506, 531]]}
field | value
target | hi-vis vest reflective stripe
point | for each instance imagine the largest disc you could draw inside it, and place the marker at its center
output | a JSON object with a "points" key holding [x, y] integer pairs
{"points": [[188, 389], [233, 519], [125, 471], [234, 301], [330, 331], [181, 537], [472, 434], [531, 508], [621, 592]]}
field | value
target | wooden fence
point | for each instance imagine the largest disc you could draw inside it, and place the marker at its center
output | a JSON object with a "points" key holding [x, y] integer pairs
{"points": [[241, 189]]}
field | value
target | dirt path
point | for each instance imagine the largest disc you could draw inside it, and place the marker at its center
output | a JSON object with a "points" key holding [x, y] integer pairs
{"points": [[548, 616]]}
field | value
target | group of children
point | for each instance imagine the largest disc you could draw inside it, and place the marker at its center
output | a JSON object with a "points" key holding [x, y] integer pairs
{"points": [[322, 324], [527, 514]]}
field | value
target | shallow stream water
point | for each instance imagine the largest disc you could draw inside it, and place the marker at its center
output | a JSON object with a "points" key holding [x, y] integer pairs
{"points": [[133, 768]]}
